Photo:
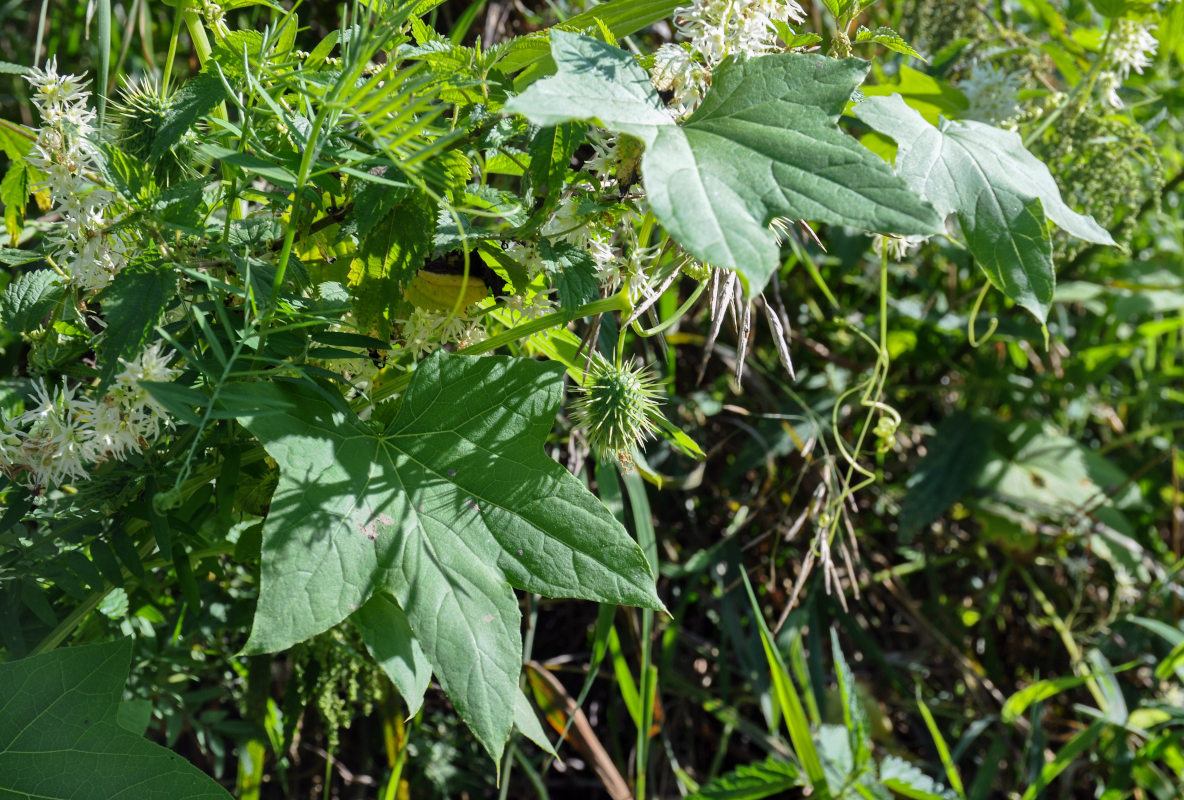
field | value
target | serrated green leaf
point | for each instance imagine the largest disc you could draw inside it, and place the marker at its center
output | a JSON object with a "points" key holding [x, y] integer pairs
{"points": [[14, 196], [854, 716], [999, 191], [388, 257], [446, 507], [8, 68], [551, 150], [905, 779], [770, 778], [132, 305], [29, 298], [197, 97], [953, 457], [888, 38], [923, 92], [573, 270], [60, 737], [763, 144]]}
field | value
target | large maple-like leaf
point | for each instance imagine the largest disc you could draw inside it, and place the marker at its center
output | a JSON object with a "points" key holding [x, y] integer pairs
{"points": [[60, 738], [763, 144], [445, 509], [999, 191]]}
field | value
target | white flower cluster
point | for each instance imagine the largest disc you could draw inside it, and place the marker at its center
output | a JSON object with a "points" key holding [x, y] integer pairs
{"points": [[993, 94], [721, 28], [65, 152], [715, 30], [64, 434], [426, 330], [1133, 46]]}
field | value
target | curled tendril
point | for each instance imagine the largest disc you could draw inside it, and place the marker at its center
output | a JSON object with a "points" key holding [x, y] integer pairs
{"points": [[991, 327]]}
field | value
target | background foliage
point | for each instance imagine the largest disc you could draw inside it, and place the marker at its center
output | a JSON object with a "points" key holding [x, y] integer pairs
{"points": [[984, 603]]}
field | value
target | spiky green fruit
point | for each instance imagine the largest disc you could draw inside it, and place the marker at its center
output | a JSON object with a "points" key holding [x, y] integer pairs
{"points": [[618, 408], [141, 114]]}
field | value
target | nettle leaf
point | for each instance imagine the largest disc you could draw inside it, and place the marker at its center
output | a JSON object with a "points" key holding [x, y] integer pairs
{"points": [[60, 737], [29, 298], [1001, 194], [573, 270], [132, 305], [388, 256], [773, 777], [763, 144], [197, 97], [445, 508]]}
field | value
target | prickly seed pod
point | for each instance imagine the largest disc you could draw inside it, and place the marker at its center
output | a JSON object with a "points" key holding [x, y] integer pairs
{"points": [[141, 114], [618, 408]]}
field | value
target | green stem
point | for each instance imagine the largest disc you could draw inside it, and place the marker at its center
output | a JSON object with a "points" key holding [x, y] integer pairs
{"points": [[172, 55]]}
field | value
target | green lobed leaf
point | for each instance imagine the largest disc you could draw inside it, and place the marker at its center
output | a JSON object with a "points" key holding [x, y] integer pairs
{"points": [[132, 305], [61, 738], [773, 777], [446, 508], [999, 191], [763, 144], [29, 298], [527, 723], [388, 637]]}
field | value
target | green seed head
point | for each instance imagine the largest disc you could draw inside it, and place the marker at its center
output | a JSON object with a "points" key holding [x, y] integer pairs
{"points": [[141, 114], [619, 407]]}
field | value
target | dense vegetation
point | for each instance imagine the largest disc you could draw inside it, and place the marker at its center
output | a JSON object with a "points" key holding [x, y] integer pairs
{"points": [[736, 398]]}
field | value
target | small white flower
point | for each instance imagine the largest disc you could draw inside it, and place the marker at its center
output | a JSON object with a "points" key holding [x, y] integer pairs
{"points": [[898, 247], [526, 254], [568, 225], [1109, 83], [109, 434], [1133, 46], [992, 93], [142, 413], [1173, 695], [527, 308], [54, 448], [1126, 590]]}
